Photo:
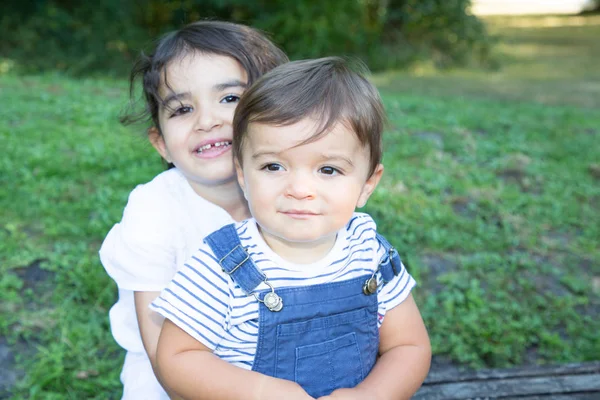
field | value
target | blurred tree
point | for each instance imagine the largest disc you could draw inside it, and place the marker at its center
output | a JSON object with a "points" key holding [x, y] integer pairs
{"points": [[104, 35], [443, 30]]}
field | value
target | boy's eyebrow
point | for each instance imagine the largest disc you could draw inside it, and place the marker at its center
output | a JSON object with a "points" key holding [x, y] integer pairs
{"points": [[335, 157], [264, 154], [325, 157], [229, 84]]}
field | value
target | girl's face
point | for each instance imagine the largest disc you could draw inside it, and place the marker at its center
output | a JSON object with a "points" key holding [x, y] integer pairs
{"points": [[203, 91]]}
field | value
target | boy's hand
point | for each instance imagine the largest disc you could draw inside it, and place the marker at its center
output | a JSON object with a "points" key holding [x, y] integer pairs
{"points": [[276, 389], [349, 394]]}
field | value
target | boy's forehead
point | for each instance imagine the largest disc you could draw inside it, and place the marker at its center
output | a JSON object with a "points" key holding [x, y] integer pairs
{"points": [[306, 131], [299, 131]]}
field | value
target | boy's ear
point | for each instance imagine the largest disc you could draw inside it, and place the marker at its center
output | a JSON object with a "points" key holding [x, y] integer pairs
{"points": [[370, 186], [240, 176], [158, 142]]}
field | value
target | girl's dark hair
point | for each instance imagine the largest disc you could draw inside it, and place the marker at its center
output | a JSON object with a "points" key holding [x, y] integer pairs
{"points": [[249, 47], [329, 90]]}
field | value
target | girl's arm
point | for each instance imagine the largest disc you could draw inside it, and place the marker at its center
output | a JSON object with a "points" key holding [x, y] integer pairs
{"points": [[191, 370], [150, 323], [405, 356]]}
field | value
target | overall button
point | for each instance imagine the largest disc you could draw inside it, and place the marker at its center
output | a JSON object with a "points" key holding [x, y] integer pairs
{"points": [[273, 301], [370, 286]]}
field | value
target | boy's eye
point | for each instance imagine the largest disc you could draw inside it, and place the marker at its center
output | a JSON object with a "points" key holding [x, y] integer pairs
{"points": [[272, 167], [329, 170], [232, 98]]}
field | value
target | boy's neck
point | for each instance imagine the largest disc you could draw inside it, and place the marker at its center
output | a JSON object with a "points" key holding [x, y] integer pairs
{"points": [[299, 252], [228, 196]]}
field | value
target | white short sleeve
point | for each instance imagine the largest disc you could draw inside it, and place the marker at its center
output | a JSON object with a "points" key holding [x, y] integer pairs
{"points": [[395, 291], [138, 252]]}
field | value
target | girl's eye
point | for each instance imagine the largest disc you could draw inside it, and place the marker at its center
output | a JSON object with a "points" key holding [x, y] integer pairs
{"points": [[272, 167], [329, 170], [181, 110], [232, 98]]}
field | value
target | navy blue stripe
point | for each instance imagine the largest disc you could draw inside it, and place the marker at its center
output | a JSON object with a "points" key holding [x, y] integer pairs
{"points": [[205, 278], [354, 218], [182, 322], [236, 350], [219, 323], [209, 253], [215, 271], [400, 292], [246, 332], [181, 273], [358, 226]]}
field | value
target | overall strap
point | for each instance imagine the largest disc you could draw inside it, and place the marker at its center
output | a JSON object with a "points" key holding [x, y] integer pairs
{"points": [[234, 259], [390, 265]]}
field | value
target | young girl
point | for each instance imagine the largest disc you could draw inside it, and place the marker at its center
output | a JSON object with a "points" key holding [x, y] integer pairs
{"points": [[299, 301], [192, 83]]}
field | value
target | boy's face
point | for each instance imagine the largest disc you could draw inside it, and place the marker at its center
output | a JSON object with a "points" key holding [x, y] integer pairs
{"points": [[304, 193], [196, 120]]}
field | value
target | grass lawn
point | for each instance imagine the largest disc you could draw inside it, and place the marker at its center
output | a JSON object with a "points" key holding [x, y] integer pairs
{"points": [[491, 193]]}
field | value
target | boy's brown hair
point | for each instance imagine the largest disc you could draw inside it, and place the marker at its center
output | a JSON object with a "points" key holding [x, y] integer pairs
{"points": [[329, 90]]}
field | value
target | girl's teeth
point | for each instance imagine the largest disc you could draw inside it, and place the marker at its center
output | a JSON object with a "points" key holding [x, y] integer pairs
{"points": [[208, 146]]}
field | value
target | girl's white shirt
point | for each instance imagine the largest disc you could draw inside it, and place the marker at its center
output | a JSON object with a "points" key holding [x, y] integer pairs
{"points": [[163, 224]]}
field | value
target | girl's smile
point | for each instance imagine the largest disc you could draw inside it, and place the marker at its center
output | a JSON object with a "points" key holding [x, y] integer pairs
{"points": [[213, 148]]}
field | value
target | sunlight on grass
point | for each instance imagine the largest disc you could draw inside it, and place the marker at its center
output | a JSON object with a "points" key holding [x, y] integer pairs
{"points": [[543, 21], [541, 61]]}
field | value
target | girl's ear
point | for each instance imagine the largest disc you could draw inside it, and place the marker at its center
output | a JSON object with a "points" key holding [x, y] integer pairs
{"points": [[370, 186], [158, 142]]}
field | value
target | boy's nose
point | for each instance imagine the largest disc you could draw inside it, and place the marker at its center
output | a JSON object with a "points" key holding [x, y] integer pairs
{"points": [[300, 186]]}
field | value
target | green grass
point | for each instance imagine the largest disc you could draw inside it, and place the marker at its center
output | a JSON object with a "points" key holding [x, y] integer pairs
{"points": [[491, 193]]}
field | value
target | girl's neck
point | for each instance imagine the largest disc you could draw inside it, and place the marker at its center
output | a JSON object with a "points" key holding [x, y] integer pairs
{"points": [[228, 196]]}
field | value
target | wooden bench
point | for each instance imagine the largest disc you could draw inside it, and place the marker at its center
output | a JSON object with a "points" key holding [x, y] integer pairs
{"points": [[571, 381]]}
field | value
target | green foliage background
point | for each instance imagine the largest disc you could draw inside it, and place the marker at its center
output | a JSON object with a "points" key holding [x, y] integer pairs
{"points": [[105, 35], [491, 191]]}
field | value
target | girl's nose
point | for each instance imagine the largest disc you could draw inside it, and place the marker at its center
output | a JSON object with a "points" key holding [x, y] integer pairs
{"points": [[207, 119]]}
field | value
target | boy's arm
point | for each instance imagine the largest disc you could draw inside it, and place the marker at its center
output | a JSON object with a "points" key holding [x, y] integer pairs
{"points": [[191, 370], [405, 356]]}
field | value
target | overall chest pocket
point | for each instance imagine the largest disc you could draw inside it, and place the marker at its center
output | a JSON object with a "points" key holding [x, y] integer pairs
{"points": [[327, 353]]}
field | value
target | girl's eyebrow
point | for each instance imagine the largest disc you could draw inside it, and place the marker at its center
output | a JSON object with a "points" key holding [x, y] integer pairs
{"points": [[219, 87], [177, 96], [230, 84]]}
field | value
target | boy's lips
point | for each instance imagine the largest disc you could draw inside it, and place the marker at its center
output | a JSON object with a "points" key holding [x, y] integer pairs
{"points": [[299, 214], [212, 148]]}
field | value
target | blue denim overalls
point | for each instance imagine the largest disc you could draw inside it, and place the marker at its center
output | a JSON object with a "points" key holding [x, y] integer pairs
{"points": [[323, 337]]}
